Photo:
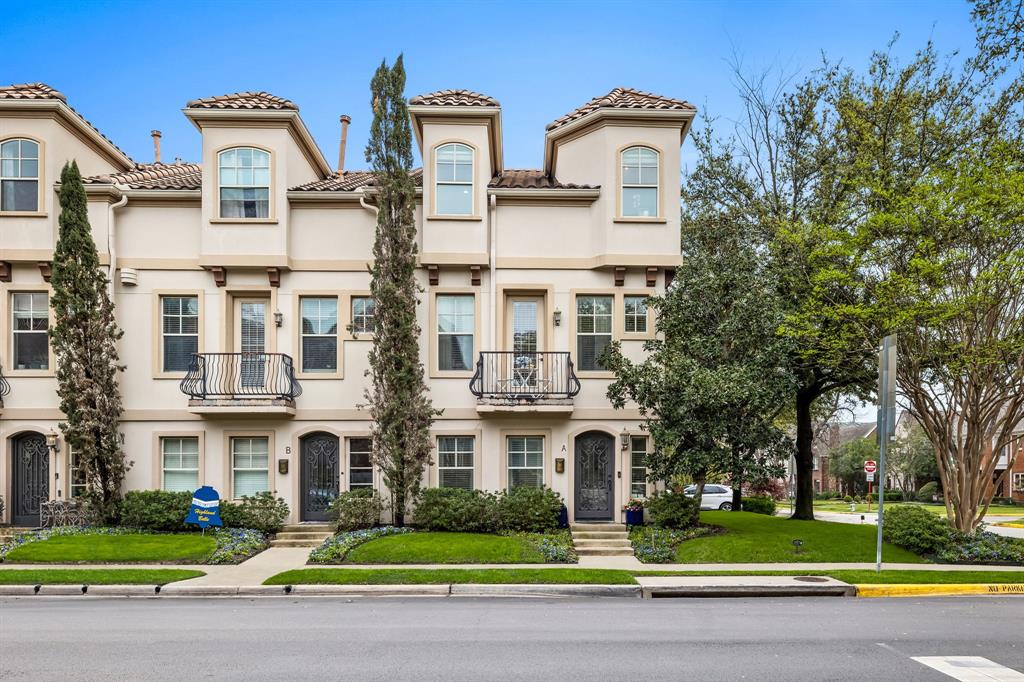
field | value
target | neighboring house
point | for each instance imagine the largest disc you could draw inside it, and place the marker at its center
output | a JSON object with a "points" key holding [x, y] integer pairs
{"points": [[829, 437], [1013, 485], [241, 284]]}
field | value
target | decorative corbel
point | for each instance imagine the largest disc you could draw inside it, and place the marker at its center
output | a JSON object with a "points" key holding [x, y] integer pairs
{"points": [[433, 275], [6, 272], [45, 269], [620, 275], [474, 275], [274, 275], [652, 276], [220, 275]]}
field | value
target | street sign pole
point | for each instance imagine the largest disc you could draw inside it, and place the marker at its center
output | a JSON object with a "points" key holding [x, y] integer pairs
{"points": [[886, 426]]}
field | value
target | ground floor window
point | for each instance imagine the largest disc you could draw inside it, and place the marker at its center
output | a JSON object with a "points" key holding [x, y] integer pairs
{"points": [[1018, 482], [249, 465], [637, 466], [76, 475], [180, 457], [360, 466], [455, 462], [525, 461]]}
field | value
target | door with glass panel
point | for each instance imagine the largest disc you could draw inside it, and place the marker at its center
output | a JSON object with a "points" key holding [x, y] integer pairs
{"points": [[251, 343], [524, 369]]}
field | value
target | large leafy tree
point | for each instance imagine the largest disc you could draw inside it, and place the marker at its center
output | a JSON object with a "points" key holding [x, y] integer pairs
{"points": [[84, 338], [399, 402]]}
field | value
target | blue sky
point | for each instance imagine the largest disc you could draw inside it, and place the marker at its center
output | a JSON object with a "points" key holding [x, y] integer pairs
{"points": [[130, 67]]}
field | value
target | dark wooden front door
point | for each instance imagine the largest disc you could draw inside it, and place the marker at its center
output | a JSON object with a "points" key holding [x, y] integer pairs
{"points": [[319, 480], [595, 452], [31, 480]]}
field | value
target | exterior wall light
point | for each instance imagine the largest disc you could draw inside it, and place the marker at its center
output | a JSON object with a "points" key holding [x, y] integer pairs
{"points": [[278, 318], [53, 441], [624, 439], [557, 317]]}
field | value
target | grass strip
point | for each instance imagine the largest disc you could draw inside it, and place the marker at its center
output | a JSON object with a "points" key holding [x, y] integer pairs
{"points": [[442, 576], [864, 577], [114, 549], [95, 576]]}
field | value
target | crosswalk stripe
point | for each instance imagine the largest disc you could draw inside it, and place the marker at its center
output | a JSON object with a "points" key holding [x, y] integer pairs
{"points": [[970, 668]]}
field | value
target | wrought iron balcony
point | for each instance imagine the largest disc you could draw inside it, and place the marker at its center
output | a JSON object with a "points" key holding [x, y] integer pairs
{"points": [[217, 382], [515, 378], [5, 387]]}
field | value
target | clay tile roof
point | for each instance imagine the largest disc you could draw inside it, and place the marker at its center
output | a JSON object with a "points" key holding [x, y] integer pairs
{"points": [[622, 98], [455, 98], [348, 181], [154, 176], [531, 179], [243, 100]]}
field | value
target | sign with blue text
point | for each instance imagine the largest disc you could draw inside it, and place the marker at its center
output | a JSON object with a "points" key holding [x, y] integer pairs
{"points": [[205, 509]]}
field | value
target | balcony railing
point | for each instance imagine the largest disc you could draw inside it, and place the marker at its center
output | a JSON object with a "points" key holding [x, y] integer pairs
{"points": [[519, 377], [241, 376], [5, 387]]}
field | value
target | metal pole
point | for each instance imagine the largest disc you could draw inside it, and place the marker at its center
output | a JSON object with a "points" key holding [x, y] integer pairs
{"points": [[886, 409]]}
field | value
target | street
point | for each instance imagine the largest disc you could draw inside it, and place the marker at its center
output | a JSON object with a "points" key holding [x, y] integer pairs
{"points": [[478, 639]]}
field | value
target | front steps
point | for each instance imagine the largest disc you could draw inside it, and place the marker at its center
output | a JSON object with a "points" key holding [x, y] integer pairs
{"points": [[601, 539], [303, 535]]}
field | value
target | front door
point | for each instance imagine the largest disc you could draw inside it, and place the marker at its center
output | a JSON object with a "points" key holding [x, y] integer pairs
{"points": [[251, 343], [595, 452], [525, 339], [319, 479], [31, 481]]}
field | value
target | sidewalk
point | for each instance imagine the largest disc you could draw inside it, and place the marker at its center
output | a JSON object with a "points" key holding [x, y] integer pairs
{"points": [[872, 519]]}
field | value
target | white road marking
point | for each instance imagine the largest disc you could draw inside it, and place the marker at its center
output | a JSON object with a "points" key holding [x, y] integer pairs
{"points": [[970, 668]]}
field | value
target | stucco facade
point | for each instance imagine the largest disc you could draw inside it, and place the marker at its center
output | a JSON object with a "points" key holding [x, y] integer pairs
{"points": [[520, 267]]}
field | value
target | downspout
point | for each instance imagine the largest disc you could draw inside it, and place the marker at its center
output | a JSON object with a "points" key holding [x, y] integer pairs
{"points": [[112, 237], [492, 250], [362, 202]]}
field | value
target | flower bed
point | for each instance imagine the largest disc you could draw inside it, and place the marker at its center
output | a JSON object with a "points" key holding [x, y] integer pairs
{"points": [[235, 545], [556, 546], [982, 547], [653, 545], [334, 548]]}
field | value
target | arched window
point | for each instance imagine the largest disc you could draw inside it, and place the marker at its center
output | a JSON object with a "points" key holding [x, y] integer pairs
{"points": [[244, 178], [453, 179], [19, 175], [640, 182]]}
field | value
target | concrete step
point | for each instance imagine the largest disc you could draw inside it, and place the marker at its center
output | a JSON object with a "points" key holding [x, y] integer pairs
{"points": [[604, 551], [595, 535], [602, 543], [308, 527], [599, 527], [289, 535], [295, 543]]}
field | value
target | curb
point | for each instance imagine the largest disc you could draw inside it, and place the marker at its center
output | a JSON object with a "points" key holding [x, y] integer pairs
{"points": [[917, 590], [719, 591], [443, 590], [469, 590]]}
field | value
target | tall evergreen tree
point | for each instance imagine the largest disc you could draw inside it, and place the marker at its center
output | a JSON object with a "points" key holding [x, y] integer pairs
{"points": [[84, 338], [399, 402]]}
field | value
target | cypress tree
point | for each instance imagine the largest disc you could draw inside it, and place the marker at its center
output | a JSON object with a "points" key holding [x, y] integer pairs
{"points": [[84, 338], [398, 399]]}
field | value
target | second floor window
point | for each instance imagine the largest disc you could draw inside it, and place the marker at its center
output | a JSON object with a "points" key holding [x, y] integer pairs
{"points": [[593, 330], [319, 334], [636, 314], [455, 327], [180, 325], [454, 180], [19, 175], [640, 182], [244, 176], [30, 346], [363, 310]]}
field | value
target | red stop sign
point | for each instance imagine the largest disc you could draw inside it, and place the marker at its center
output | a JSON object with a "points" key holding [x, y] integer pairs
{"points": [[870, 467]]}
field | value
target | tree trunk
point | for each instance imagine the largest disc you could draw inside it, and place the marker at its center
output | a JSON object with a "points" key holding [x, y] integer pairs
{"points": [[737, 479], [803, 506], [699, 479]]}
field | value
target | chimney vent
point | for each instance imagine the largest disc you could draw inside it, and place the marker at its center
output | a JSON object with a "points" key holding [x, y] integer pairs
{"points": [[156, 145], [345, 120]]}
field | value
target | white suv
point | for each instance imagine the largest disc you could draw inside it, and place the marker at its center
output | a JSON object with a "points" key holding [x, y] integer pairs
{"points": [[715, 496]]}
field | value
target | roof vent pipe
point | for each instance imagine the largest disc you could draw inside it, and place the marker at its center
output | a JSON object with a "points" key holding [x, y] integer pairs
{"points": [[345, 120], [156, 145]]}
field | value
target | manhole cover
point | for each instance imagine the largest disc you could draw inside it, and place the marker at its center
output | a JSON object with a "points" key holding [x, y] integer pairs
{"points": [[811, 579]]}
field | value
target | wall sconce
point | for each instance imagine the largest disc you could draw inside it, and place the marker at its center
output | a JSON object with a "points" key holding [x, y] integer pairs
{"points": [[278, 318], [559, 465], [53, 441], [282, 466], [624, 439], [557, 317]]}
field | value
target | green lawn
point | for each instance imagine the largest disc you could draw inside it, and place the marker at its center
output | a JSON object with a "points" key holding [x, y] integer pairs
{"points": [[445, 548], [95, 576], [756, 538], [443, 576], [133, 548], [939, 509], [871, 577]]}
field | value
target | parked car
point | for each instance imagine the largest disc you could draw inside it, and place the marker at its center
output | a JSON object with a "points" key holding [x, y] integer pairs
{"points": [[715, 496]]}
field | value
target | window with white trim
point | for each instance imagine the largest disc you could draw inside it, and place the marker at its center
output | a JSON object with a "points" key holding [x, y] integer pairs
{"points": [[455, 462], [360, 463], [19, 175], [635, 309], [179, 322], [637, 466], [250, 459], [244, 183], [319, 333], [1018, 482], [76, 475], [593, 330], [30, 319], [453, 179], [525, 461], [180, 461], [640, 182], [456, 324], [363, 310]]}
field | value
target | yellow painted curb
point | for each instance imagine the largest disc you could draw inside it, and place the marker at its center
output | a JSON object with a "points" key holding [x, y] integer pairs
{"points": [[1010, 525], [917, 590]]}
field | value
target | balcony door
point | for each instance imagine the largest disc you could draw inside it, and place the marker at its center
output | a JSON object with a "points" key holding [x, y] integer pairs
{"points": [[250, 335], [524, 366]]}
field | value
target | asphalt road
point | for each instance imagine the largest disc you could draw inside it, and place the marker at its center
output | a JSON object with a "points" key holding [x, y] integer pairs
{"points": [[463, 639]]}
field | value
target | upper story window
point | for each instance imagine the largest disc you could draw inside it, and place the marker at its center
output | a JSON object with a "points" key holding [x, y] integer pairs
{"points": [[244, 176], [636, 314], [640, 182], [319, 334], [456, 324], [363, 310], [19, 175], [30, 319], [593, 330], [180, 331], [454, 179]]}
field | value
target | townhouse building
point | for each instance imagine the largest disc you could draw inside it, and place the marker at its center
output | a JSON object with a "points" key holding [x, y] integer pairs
{"points": [[241, 284]]}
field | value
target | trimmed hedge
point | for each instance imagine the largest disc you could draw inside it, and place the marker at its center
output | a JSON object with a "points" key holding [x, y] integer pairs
{"points": [[672, 510], [159, 510], [915, 529], [927, 491], [356, 509], [457, 510], [759, 504]]}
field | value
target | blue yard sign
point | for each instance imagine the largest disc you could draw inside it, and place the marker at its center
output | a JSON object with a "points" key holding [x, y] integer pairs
{"points": [[205, 509]]}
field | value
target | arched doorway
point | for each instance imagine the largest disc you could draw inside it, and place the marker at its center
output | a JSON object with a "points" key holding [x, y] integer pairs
{"points": [[30, 481], [319, 475], [593, 476]]}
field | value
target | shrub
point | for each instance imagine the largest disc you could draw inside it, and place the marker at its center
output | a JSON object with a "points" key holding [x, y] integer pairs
{"points": [[263, 512], [531, 510], [915, 529], [355, 509], [927, 491], [673, 510], [857, 499], [847, 499], [155, 510], [457, 510], [893, 495], [982, 547], [759, 505]]}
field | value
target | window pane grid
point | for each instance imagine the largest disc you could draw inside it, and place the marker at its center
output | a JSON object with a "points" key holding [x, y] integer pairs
{"points": [[636, 314], [180, 324], [76, 475], [638, 469], [30, 318], [593, 330], [319, 334], [19, 175], [454, 179], [360, 463], [639, 182], [455, 462], [244, 176], [180, 463], [525, 461], [456, 324], [249, 464]]}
